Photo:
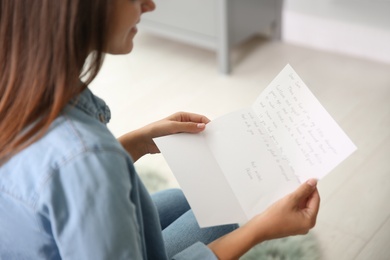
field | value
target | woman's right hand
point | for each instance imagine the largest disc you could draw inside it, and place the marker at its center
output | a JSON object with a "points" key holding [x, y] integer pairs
{"points": [[294, 214]]}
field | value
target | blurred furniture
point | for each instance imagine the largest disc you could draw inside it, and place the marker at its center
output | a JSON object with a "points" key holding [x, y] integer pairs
{"points": [[215, 24]]}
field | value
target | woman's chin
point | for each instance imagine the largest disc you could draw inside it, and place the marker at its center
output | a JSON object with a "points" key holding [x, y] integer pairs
{"points": [[123, 50]]}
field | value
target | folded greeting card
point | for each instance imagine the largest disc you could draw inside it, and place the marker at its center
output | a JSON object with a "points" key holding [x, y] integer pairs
{"points": [[246, 160]]}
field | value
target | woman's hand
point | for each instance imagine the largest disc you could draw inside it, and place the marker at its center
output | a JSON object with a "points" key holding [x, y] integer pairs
{"points": [[140, 142], [294, 214]]}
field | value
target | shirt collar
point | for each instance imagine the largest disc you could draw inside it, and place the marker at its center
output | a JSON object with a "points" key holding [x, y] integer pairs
{"points": [[92, 105]]}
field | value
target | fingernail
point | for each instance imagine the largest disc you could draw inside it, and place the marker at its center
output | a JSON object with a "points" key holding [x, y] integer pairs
{"points": [[202, 125], [312, 182]]}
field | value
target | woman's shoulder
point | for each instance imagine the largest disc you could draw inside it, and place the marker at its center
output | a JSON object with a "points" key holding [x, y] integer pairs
{"points": [[75, 130], [72, 134], [75, 142]]}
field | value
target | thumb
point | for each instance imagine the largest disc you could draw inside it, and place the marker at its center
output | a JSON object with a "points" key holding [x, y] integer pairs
{"points": [[305, 190]]}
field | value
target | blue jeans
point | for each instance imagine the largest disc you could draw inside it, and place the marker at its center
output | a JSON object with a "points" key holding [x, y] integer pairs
{"points": [[179, 226]]}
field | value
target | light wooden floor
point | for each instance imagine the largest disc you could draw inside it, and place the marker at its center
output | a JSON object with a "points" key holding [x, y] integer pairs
{"points": [[161, 77]]}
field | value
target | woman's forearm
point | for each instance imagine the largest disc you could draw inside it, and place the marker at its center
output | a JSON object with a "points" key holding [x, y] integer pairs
{"points": [[237, 243]]}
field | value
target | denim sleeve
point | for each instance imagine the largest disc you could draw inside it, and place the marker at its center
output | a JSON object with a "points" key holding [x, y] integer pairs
{"points": [[90, 213], [196, 251]]}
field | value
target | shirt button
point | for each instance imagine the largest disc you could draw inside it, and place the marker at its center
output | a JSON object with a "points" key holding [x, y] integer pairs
{"points": [[101, 118]]}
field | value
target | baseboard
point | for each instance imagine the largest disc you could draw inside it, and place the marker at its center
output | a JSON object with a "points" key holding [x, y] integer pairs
{"points": [[336, 36]]}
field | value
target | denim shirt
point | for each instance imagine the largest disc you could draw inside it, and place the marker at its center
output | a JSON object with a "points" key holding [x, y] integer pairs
{"points": [[74, 194]]}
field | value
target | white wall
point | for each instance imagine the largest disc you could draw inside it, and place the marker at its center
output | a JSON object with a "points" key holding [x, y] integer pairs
{"points": [[355, 27]]}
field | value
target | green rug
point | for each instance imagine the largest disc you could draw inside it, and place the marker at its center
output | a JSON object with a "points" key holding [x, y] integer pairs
{"points": [[290, 248]]}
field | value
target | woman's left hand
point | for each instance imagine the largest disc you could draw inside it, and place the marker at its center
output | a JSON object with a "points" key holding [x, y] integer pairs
{"points": [[140, 142]]}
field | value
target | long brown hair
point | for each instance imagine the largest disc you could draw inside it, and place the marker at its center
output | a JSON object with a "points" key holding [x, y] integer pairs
{"points": [[43, 48]]}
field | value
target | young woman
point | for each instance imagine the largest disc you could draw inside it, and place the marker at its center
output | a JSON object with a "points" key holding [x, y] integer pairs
{"points": [[68, 188]]}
